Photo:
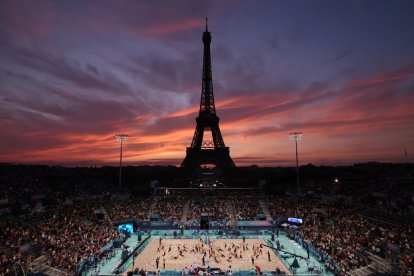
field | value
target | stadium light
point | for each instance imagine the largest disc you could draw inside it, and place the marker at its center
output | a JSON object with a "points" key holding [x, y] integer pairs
{"points": [[296, 136], [121, 138]]}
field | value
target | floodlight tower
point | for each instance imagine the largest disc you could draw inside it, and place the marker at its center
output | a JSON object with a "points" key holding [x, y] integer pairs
{"points": [[296, 136], [121, 138]]}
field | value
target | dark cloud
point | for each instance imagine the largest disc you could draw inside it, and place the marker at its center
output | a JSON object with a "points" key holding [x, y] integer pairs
{"points": [[339, 56], [274, 43], [166, 72], [67, 69], [295, 33]]}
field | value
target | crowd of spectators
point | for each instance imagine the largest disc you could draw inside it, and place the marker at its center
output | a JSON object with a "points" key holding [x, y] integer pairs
{"points": [[281, 208], [137, 208], [388, 187], [213, 205], [32, 189], [246, 208], [337, 230], [50, 211], [169, 208], [72, 234], [12, 237], [348, 239]]}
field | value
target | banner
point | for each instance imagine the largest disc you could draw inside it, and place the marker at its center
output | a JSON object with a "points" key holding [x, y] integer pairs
{"points": [[158, 224], [254, 223]]}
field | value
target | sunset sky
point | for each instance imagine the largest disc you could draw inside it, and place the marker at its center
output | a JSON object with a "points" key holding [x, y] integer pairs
{"points": [[75, 73]]}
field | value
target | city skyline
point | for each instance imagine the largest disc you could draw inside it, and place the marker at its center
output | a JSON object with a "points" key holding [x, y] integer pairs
{"points": [[73, 74]]}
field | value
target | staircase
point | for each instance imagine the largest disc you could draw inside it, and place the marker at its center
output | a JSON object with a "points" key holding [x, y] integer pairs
{"points": [[40, 266], [366, 270], [265, 209], [106, 215], [230, 210], [382, 264], [18, 269], [384, 218], [377, 265], [186, 208], [152, 207], [51, 271]]}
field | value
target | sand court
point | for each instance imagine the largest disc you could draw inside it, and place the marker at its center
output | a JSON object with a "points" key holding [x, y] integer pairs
{"points": [[176, 254]]}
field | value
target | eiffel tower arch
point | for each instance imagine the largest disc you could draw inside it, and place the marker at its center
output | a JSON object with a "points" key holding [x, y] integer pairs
{"points": [[203, 149]]}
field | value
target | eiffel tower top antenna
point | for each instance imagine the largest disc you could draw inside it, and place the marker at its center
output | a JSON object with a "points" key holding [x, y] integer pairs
{"points": [[207, 95]]}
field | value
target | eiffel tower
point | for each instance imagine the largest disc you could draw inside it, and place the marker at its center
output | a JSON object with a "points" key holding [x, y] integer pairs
{"points": [[203, 151]]}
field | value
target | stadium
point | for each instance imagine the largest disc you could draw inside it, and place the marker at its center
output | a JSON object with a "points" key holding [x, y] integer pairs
{"points": [[63, 221], [204, 215]]}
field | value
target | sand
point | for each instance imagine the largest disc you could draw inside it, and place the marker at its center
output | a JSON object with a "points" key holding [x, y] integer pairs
{"points": [[173, 261]]}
